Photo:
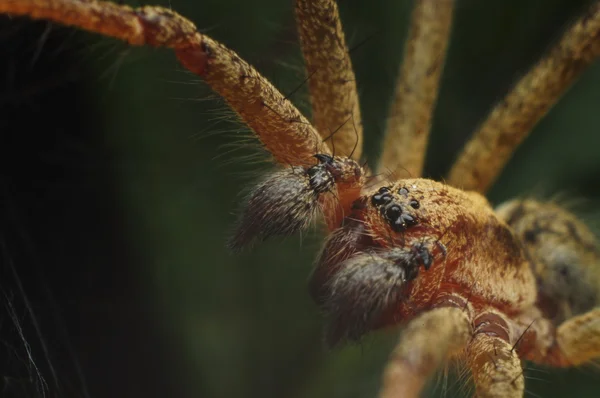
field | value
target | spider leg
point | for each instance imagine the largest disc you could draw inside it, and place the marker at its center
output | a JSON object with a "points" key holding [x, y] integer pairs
{"points": [[493, 360], [282, 129], [514, 117], [409, 120], [330, 76], [577, 340], [426, 343]]}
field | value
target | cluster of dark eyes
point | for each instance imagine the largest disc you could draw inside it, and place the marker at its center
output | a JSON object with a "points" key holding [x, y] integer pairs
{"points": [[396, 214]]}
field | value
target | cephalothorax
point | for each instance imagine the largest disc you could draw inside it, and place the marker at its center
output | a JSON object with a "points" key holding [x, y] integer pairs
{"points": [[490, 287]]}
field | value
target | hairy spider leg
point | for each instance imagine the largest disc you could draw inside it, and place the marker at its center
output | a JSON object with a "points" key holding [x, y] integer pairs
{"points": [[426, 343], [513, 118], [410, 115], [331, 79]]}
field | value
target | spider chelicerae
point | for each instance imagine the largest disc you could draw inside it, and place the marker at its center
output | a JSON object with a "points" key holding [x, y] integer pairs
{"points": [[401, 250]]}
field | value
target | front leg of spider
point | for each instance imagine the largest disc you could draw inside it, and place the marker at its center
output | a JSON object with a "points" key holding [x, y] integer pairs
{"points": [[288, 200], [368, 286]]}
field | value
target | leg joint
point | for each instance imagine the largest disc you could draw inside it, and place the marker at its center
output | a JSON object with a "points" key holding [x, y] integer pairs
{"points": [[492, 325]]}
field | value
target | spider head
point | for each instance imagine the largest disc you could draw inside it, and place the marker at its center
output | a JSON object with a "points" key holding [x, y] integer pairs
{"points": [[370, 264]]}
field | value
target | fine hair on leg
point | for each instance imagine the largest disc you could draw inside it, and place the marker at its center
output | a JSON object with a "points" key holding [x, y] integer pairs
{"points": [[428, 341], [410, 115], [513, 118]]}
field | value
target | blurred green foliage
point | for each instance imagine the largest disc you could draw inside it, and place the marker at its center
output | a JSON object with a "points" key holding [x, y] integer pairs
{"points": [[243, 325]]}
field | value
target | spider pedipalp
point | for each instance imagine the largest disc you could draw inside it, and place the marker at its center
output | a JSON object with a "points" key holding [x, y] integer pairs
{"points": [[366, 287], [289, 199]]}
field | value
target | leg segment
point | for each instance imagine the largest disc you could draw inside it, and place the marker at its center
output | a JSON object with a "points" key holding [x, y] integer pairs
{"points": [[410, 116], [494, 363], [336, 110], [514, 117], [577, 340], [428, 341], [279, 125]]}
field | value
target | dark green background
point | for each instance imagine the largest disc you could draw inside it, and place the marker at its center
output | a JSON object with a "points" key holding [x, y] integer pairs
{"points": [[121, 175]]}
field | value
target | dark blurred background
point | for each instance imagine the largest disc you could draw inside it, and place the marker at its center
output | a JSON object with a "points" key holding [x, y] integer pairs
{"points": [[121, 174]]}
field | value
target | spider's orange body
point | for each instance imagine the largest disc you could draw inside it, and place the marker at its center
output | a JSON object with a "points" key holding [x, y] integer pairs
{"points": [[465, 280], [464, 271]]}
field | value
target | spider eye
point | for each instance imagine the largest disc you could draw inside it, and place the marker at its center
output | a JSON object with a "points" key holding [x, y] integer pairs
{"points": [[393, 211], [381, 199], [408, 220], [403, 191], [414, 204], [397, 217]]}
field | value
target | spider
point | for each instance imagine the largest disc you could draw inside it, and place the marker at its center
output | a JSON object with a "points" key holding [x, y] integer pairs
{"points": [[490, 287]]}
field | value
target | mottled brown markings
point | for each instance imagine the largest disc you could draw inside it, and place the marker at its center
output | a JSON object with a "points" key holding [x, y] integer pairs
{"points": [[506, 238], [563, 256], [332, 83]]}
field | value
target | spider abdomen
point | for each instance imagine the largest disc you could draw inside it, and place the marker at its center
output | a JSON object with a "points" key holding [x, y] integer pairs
{"points": [[564, 256]]}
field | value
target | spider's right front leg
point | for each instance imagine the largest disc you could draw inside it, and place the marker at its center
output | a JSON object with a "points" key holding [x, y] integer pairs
{"points": [[432, 338], [493, 360], [426, 344]]}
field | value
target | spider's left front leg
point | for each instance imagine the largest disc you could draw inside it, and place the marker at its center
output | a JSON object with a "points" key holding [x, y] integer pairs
{"points": [[493, 360]]}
